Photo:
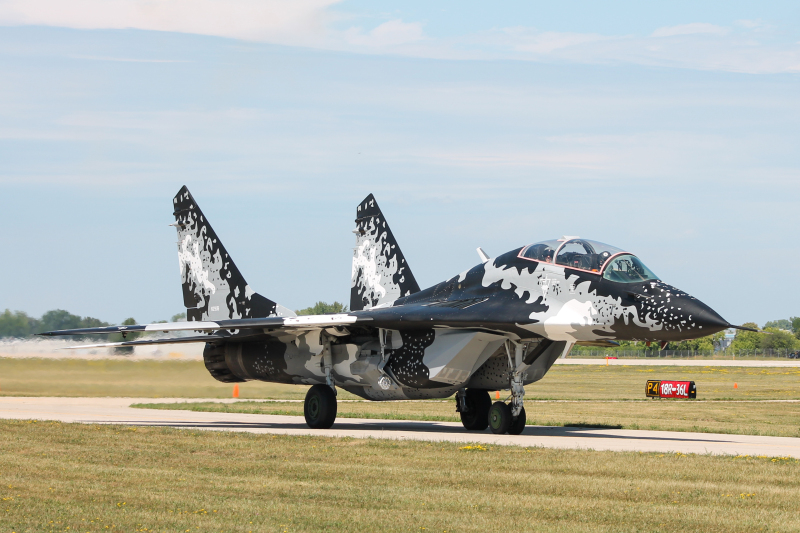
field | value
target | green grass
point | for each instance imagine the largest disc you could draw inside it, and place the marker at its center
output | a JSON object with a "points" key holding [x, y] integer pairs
{"points": [[190, 379], [126, 378], [600, 382], [741, 418], [89, 478]]}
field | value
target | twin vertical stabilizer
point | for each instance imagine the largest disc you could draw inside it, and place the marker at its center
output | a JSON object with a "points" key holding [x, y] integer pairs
{"points": [[213, 288], [380, 273]]}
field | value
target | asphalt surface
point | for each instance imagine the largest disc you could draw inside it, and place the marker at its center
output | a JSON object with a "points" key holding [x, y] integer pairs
{"points": [[118, 411]]}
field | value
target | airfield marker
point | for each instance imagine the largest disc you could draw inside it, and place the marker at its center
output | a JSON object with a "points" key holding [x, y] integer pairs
{"points": [[236, 390], [735, 386], [497, 395]]}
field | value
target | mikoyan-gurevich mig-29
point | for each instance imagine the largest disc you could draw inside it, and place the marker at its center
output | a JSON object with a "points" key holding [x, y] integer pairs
{"points": [[499, 325]]}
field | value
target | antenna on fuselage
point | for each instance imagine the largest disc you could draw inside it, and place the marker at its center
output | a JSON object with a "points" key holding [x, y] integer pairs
{"points": [[482, 255]]}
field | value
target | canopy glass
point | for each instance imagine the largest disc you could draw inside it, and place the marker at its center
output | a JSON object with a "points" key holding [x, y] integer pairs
{"points": [[591, 256]]}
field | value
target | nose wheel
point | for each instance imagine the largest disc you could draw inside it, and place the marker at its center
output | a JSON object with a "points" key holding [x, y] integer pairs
{"points": [[473, 406], [518, 423], [502, 419], [320, 407]]}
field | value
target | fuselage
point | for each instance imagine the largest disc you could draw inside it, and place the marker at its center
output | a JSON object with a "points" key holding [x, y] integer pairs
{"points": [[539, 299], [454, 335]]}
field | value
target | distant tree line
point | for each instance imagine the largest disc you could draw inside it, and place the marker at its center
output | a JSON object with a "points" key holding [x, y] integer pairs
{"points": [[323, 308], [784, 335], [18, 324]]}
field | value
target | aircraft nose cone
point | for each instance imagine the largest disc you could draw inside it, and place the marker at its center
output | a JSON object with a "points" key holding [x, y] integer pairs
{"points": [[682, 316], [704, 318]]}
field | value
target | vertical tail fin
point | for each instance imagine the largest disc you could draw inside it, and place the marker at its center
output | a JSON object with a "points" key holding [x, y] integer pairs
{"points": [[213, 288], [380, 272]]}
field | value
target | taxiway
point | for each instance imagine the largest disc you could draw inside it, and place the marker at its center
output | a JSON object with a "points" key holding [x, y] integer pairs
{"points": [[118, 411]]}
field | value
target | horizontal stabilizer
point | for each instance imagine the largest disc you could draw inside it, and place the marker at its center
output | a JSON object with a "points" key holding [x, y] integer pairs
{"points": [[174, 340], [138, 328]]}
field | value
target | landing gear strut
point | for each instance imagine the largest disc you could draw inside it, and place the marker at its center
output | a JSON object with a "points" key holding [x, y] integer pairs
{"points": [[510, 418]]}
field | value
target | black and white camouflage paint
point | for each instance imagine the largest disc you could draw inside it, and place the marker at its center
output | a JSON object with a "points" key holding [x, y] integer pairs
{"points": [[213, 288], [380, 274], [434, 331], [400, 342], [573, 305]]}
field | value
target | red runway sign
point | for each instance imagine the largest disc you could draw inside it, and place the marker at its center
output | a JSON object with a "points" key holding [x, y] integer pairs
{"points": [[671, 389]]}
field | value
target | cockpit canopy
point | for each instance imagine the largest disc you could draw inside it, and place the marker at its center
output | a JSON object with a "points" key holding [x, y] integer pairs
{"points": [[591, 256]]}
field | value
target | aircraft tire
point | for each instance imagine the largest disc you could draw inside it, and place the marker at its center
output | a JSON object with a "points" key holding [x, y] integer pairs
{"points": [[518, 424], [319, 408], [477, 416], [499, 418]]}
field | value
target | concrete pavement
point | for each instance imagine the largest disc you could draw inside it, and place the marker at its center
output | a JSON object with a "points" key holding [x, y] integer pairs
{"points": [[118, 411]]}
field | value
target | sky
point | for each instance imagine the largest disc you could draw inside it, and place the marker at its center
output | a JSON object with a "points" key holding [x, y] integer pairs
{"points": [[669, 129]]}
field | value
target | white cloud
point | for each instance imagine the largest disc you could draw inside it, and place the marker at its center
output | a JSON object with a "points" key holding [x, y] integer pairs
{"points": [[752, 24], [697, 46], [694, 28], [392, 33], [744, 47], [529, 40], [289, 22]]}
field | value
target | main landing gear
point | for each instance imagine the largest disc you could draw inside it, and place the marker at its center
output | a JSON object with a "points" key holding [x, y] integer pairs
{"points": [[320, 407]]}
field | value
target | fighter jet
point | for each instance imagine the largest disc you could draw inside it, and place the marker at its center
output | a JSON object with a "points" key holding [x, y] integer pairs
{"points": [[499, 325]]}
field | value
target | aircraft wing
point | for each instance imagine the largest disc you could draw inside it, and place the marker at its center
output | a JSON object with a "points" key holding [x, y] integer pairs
{"points": [[272, 322], [447, 314]]}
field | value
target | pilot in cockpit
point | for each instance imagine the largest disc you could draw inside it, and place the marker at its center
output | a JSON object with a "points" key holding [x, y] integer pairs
{"points": [[613, 264]]}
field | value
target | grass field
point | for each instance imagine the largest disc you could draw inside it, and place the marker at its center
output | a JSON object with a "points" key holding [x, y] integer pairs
{"points": [[190, 379], [741, 418], [73, 477]]}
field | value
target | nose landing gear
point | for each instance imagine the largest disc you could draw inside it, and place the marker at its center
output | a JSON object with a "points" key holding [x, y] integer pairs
{"points": [[518, 423], [502, 420], [474, 405], [510, 418]]}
